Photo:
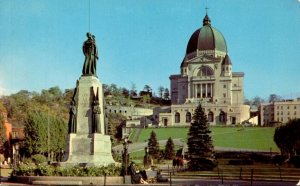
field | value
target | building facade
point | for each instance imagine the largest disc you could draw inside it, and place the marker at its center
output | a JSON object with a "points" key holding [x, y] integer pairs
{"points": [[279, 112], [206, 78]]}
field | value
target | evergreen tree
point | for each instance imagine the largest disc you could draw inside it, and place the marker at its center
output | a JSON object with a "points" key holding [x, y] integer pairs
{"points": [[200, 147], [169, 149], [287, 138], [153, 145]]}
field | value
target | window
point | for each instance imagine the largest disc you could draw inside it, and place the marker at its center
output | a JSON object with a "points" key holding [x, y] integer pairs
{"points": [[210, 117], [205, 71], [203, 90], [224, 86], [224, 95], [222, 117], [188, 117], [177, 117]]}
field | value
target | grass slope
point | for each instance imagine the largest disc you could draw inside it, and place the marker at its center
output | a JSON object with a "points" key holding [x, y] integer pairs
{"points": [[233, 137]]}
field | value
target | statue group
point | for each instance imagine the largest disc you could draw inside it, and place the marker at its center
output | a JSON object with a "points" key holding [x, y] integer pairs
{"points": [[89, 69], [87, 142]]}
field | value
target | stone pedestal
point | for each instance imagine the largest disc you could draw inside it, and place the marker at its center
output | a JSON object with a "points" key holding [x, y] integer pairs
{"points": [[85, 147]]}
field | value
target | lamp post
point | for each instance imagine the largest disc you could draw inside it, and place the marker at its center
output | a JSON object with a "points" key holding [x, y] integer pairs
{"points": [[125, 153], [146, 159]]}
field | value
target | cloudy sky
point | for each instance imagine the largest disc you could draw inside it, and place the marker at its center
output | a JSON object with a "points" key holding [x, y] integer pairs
{"points": [[144, 41]]}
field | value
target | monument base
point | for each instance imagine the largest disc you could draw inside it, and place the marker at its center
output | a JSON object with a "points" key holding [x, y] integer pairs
{"points": [[92, 150]]}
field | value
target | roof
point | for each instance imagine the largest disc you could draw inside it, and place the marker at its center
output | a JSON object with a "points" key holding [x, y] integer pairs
{"points": [[206, 38], [226, 60]]}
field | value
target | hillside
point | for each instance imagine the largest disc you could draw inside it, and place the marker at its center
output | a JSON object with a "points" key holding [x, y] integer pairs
{"points": [[251, 138]]}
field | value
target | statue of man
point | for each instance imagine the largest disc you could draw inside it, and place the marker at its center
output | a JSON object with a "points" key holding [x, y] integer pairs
{"points": [[72, 118], [91, 55], [96, 117]]}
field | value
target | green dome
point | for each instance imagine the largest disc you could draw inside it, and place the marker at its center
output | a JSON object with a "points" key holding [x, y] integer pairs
{"points": [[206, 38]]}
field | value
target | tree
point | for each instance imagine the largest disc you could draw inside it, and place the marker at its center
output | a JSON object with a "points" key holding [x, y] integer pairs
{"points": [[287, 138], [125, 92], [256, 101], [153, 146], [106, 89], [200, 146], [133, 89], [2, 130], [147, 88], [114, 89], [169, 149], [35, 130], [115, 123], [36, 133], [161, 91], [274, 97], [146, 99], [2, 124], [166, 94]]}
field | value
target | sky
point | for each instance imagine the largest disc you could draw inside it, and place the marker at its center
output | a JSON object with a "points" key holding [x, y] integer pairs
{"points": [[143, 42]]}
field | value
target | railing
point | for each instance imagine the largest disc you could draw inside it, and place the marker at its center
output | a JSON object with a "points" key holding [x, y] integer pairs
{"points": [[242, 173]]}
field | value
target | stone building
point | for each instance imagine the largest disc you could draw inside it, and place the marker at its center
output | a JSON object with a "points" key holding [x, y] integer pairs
{"points": [[206, 77], [279, 112]]}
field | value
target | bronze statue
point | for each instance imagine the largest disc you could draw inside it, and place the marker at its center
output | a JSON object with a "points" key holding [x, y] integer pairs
{"points": [[96, 117], [90, 52], [72, 118]]}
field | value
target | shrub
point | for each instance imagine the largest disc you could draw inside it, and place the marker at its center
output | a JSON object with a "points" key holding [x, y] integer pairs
{"points": [[39, 159], [49, 170], [24, 170], [295, 160], [240, 162], [278, 159], [203, 164], [260, 158]]}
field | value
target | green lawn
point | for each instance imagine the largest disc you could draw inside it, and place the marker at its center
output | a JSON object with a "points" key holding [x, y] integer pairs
{"points": [[235, 137]]}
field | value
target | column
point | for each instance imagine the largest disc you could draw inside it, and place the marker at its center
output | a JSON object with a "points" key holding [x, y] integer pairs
{"points": [[211, 90], [206, 90]]}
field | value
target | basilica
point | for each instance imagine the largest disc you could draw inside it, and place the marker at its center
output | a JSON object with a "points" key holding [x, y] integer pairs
{"points": [[206, 78]]}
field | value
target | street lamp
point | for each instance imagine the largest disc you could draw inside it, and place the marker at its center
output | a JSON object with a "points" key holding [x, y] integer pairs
{"points": [[125, 153], [146, 158]]}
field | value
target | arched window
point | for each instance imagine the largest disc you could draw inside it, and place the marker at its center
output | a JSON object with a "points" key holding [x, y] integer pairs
{"points": [[188, 117], [222, 117], [210, 117], [177, 117], [205, 71]]}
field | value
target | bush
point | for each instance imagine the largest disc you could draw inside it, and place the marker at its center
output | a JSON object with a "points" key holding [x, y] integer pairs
{"points": [[260, 158], [49, 170], [203, 164], [24, 170], [278, 159], [295, 160], [240, 162], [39, 159], [232, 155]]}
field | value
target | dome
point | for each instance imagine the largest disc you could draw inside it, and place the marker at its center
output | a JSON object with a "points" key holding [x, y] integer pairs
{"points": [[206, 38], [226, 60]]}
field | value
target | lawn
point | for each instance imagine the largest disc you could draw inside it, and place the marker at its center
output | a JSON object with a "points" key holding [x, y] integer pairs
{"points": [[252, 138]]}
